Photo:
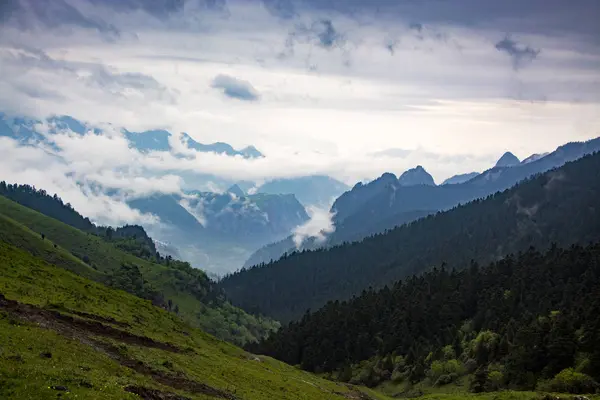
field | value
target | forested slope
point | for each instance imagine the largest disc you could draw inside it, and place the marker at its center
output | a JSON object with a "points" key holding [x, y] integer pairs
{"points": [[515, 323], [560, 206]]}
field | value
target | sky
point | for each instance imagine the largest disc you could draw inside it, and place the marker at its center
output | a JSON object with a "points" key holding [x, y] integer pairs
{"points": [[347, 88]]}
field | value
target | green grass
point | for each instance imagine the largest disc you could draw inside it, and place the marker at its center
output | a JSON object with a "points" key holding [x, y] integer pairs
{"points": [[24, 374], [458, 390], [89, 373], [23, 227]]}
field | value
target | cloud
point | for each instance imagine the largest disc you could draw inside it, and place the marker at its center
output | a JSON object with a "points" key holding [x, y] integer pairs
{"points": [[318, 226], [326, 33], [416, 26], [520, 54], [320, 32], [235, 88], [40, 15], [328, 105], [281, 8], [157, 8], [395, 152], [31, 62], [26, 164]]}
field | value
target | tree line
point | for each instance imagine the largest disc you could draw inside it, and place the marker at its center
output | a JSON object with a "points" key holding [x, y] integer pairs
{"points": [[530, 320]]}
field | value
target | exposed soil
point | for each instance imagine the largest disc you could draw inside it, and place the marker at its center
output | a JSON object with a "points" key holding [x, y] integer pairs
{"points": [[153, 394], [174, 380], [99, 318], [75, 327], [87, 332]]}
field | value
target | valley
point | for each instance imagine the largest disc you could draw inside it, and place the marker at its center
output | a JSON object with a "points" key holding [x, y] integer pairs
{"points": [[299, 200]]}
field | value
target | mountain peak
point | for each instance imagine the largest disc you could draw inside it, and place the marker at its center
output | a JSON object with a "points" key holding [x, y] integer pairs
{"points": [[416, 176], [460, 178], [508, 159], [236, 190], [387, 176], [534, 157], [251, 152]]}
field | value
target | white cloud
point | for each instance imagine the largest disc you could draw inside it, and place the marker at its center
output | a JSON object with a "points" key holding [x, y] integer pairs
{"points": [[318, 226], [445, 95], [235, 88], [38, 168]]}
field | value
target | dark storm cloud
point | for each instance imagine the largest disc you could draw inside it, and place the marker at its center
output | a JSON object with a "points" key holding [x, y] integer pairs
{"points": [[416, 26], [321, 32], [235, 88], [158, 8], [31, 14], [520, 54], [326, 33], [532, 16], [281, 8]]}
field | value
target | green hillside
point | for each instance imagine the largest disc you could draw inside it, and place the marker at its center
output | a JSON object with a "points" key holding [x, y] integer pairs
{"points": [[64, 336], [187, 291], [59, 330]]}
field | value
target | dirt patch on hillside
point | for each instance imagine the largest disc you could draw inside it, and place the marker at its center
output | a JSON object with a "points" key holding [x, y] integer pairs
{"points": [[75, 327], [98, 318], [174, 380], [153, 394], [88, 332]]}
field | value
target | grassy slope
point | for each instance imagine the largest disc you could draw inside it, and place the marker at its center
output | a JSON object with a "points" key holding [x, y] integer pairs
{"points": [[90, 373], [459, 390], [22, 227]]}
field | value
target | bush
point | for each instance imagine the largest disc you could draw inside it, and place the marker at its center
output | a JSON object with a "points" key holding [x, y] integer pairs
{"points": [[448, 352], [443, 380], [479, 380], [494, 381], [454, 367], [436, 370], [470, 365], [569, 381], [439, 368], [399, 375]]}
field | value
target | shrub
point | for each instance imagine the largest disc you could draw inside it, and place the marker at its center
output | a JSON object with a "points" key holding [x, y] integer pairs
{"points": [[569, 381], [436, 370], [450, 367], [443, 380], [479, 380], [470, 365], [454, 367], [399, 375], [448, 352], [494, 381]]}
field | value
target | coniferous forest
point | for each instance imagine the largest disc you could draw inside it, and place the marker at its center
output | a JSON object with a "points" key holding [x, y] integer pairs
{"points": [[530, 320]]}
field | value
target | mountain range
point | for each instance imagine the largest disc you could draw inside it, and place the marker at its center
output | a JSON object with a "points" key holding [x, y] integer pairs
{"points": [[531, 213], [388, 201], [26, 130], [220, 230], [214, 222]]}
